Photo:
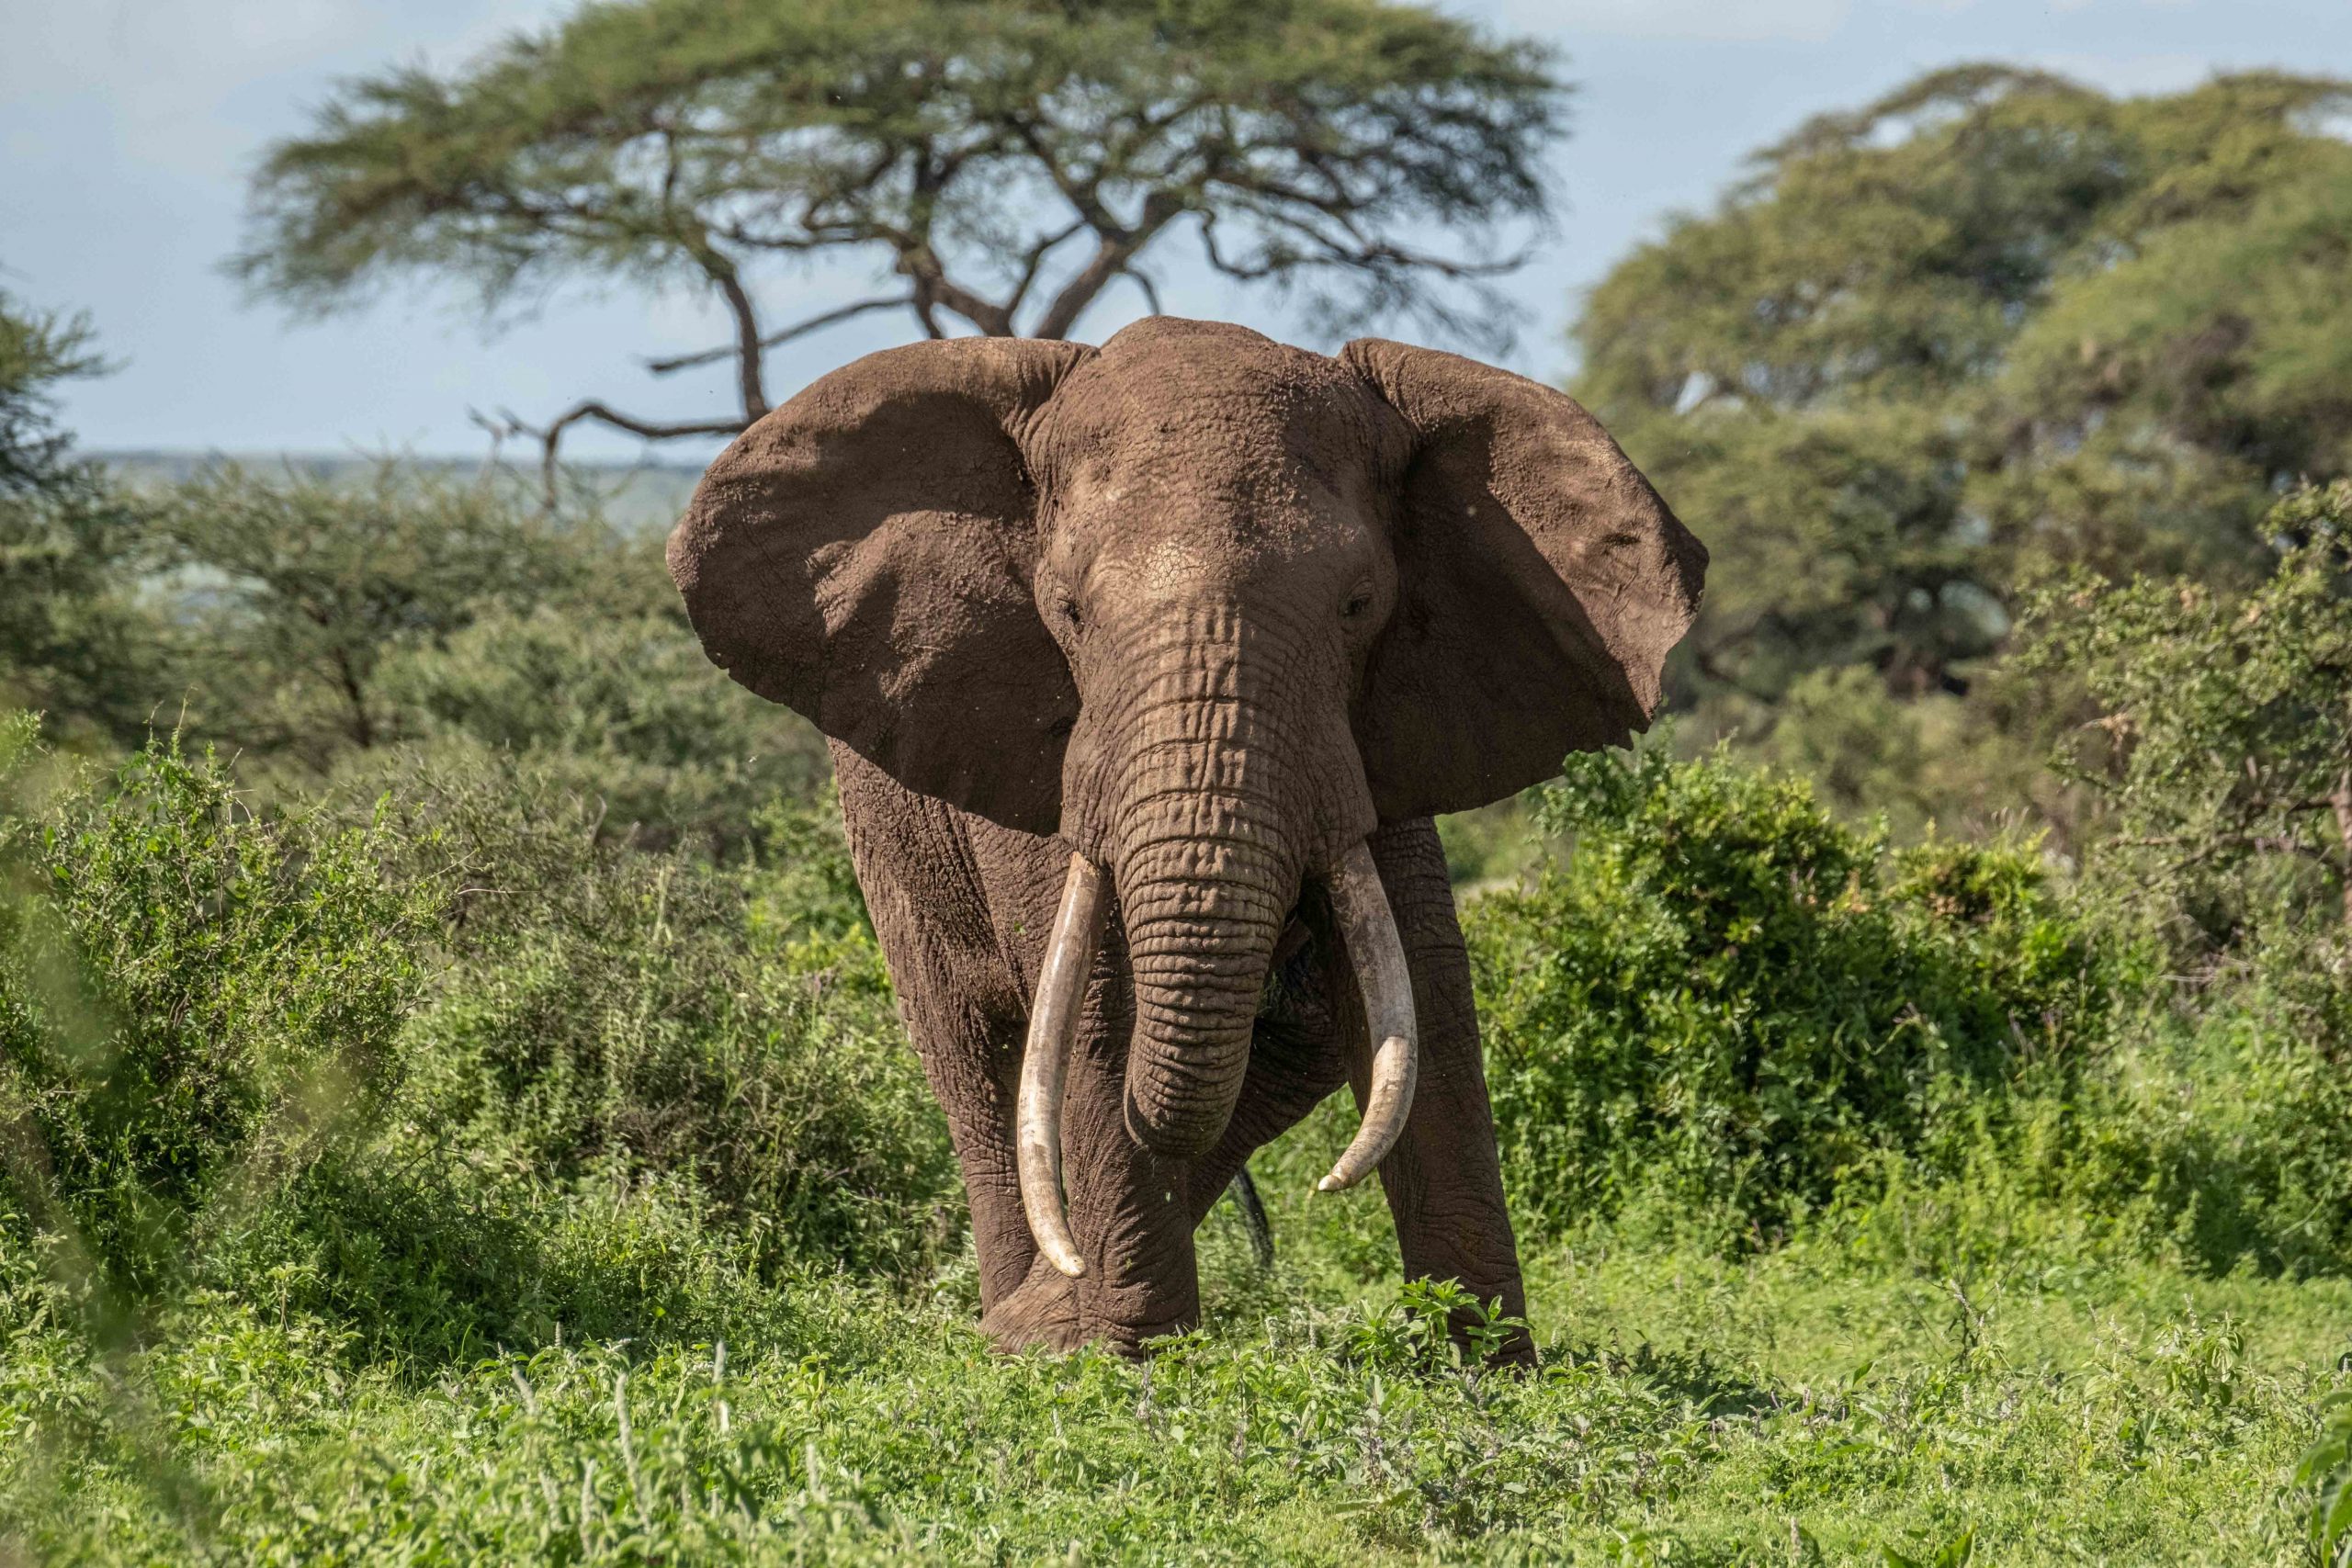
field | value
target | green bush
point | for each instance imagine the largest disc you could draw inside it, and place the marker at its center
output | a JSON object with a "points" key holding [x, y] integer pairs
{"points": [[1728, 1003], [623, 707], [623, 1007], [450, 1066], [2217, 734], [2222, 1137], [634, 1085], [190, 997]]}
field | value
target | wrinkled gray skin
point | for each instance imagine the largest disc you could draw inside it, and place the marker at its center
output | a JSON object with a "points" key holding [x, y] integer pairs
{"points": [[1208, 610]]}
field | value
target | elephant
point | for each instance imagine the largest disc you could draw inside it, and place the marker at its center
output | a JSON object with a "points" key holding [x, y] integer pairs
{"points": [[1144, 669]]}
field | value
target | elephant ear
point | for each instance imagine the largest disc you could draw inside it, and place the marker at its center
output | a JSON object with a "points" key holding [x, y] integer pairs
{"points": [[863, 555], [1540, 584]]}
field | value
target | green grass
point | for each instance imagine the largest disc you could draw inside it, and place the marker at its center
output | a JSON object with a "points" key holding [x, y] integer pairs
{"points": [[609, 1223], [1687, 1412], [1797, 1406]]}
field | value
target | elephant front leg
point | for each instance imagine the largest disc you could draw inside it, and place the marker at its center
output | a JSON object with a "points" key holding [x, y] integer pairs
{"points": [[1443, 1180], [1128, 1211]]}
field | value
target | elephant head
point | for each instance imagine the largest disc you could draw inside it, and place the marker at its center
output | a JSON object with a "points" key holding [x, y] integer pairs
{"points": [[1208, 607]]}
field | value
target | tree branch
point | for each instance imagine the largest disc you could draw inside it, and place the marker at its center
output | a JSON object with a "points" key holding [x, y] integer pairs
{"points": [[1116, 248], [1034, 259], [1150, 289], [748, 378], [934, 289], [783, 336], [551, 438]]}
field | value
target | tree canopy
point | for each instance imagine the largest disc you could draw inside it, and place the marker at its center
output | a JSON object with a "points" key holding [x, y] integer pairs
{"points": [[1003, 162], [1994, 323], [37, 352], [71, 641]]}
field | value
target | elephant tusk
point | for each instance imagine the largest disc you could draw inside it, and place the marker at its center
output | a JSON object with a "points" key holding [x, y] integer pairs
{"points": [[1370, 929], [1044, 1064]]}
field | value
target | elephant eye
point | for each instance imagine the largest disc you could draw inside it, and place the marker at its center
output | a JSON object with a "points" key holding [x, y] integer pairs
{"points": [[1358, 603]]}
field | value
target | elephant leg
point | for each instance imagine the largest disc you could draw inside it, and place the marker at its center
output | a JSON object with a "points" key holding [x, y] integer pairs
{"points": [[1129, 1209], [925, 894], [962, 907], [1443, 1180], [974, 1072]]}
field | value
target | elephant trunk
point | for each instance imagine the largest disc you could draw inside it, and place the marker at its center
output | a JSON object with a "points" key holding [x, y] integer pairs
{"points": [[1194, 783], [1369, 928], [1203, 912], [1206, 793]]}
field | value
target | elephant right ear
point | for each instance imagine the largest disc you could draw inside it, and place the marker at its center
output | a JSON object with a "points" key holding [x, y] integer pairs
{"points": [[1541, 584], [863, 555]]}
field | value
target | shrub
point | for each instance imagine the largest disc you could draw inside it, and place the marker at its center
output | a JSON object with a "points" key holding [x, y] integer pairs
{"points": [[450, 1067], [709, 1048], [188, 993], [1726, 1002], [626, 707], [2224, 1139], [2222, 736]]}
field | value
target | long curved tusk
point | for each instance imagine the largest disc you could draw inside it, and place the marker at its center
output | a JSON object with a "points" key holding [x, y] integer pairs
{"points": [[1045, 1065], [1370, 928]]}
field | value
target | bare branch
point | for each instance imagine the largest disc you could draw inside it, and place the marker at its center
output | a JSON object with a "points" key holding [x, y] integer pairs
{"points": [[1034, 259], [798, 329], [1117, 247], [1150, 290], [551, 438], [750, 384], [934, 288]]}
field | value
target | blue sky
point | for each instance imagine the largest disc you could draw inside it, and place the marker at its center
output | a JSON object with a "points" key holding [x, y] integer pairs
{"points": [[128, 127]]}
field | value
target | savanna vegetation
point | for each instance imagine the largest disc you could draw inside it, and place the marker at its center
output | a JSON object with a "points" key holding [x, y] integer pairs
{"points": [[1003, 164], [452, 1108]]}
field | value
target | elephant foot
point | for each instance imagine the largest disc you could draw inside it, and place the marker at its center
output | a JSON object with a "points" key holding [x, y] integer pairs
{"points": [[1050, 1311]]}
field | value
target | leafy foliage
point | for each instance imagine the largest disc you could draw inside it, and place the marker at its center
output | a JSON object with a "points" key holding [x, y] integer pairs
{"points": [[1993, 321], [190, 997], [310, 626], [2226, 721], [294, 590], [620, 708], [1726, 1002], [1008, 161], [2327, 1468], [37, 353], [603, 1005], [463, 1070], [71, 637]]}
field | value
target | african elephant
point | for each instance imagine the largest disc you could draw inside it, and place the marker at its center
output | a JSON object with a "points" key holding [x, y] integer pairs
{"points": [[1145, 668]]}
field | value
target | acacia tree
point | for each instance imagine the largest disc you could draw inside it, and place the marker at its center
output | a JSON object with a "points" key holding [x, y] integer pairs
{"points": [[73, 641], [1003, 162]]}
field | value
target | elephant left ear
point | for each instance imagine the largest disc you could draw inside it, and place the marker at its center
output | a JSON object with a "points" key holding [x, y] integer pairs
{"points": [[1540, 584]]}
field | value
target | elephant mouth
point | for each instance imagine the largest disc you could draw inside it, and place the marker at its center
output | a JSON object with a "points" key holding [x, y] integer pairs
{"points": [[1369, 929]]}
